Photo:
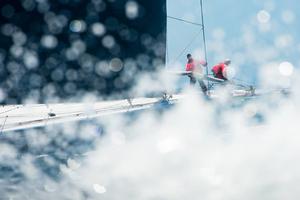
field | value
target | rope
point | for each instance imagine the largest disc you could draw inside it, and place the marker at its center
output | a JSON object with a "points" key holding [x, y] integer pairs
{"points": [[9, 110], [187, 46], [186, 21], [243, 82]]}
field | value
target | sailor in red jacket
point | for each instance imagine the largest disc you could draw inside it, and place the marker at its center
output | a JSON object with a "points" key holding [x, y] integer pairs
{"points": [[195, 66], [219, 70]]}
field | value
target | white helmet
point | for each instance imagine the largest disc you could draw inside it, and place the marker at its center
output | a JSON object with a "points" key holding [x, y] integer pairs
{"points": [[227, 61]]}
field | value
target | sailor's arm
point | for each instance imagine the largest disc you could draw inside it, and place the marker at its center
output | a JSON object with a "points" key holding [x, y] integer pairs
{"points": [[203, 63]]}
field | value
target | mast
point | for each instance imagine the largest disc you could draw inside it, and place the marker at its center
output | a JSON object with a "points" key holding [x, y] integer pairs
{"points": [[204, 39]]}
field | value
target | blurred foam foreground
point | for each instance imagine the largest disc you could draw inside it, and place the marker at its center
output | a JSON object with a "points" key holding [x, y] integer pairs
{"points": [[196, 149]]}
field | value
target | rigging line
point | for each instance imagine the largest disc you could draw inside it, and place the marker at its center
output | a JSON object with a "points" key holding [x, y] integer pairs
{"points": [[9, 110], [188, 45], [204, 38], [2, 128], [183, 20], [243, 81]]}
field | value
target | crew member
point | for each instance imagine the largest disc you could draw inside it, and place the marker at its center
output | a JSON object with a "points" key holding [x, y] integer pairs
{"points": [[195, 67], [219, 70]]}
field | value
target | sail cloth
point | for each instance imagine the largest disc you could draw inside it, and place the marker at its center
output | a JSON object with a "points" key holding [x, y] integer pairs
{"points": [[15, 117], [70, 46]]}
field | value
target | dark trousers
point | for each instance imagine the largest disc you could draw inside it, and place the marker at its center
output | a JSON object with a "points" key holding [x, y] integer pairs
{"points": [[201, 83]]}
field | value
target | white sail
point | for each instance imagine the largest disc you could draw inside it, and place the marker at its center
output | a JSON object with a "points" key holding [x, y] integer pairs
{"points": [[15, 117]]}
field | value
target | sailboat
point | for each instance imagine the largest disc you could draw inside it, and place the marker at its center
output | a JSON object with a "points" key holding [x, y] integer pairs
{"points": [[19, 117]]}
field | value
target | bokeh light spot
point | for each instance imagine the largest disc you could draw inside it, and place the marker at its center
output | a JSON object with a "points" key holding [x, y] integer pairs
{"points": [[116, 65], [286, 68], [77, 26], [49, 41], [108, 41], [288, 16], [263, 16], [132, 9], [98, 29], [30, 60], [99, 188], [7, 11]]}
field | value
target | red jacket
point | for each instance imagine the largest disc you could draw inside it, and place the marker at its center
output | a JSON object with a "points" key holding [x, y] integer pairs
{"points": [[192, 64], [218, 71]]}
